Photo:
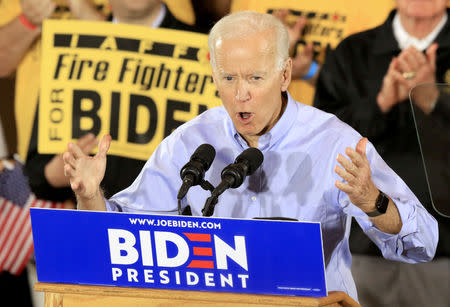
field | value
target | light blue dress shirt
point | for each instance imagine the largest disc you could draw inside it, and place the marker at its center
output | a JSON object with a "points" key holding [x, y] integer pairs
{"points": [[296, 180]]}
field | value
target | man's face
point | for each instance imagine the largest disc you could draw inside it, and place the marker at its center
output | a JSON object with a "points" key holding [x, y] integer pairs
{"points": [[422, 8], [250, 84]]}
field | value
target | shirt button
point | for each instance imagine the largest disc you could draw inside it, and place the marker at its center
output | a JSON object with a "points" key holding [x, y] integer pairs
{"points": [[253, 198]]}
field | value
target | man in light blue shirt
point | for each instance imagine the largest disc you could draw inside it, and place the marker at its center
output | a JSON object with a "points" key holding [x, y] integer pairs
{"points": [[299, 177]]}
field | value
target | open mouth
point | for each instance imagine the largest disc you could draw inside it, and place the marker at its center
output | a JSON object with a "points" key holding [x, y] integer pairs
{"points": [[245, 115]]}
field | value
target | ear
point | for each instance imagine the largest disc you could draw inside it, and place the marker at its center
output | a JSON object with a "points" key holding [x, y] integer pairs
{"points": [[286, 75]]}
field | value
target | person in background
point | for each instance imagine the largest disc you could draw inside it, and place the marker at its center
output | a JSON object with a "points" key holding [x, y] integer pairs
{"points": [[20, 49], [45, 171], [20, 31], [303, 65], [366, 82], [299, 177]]}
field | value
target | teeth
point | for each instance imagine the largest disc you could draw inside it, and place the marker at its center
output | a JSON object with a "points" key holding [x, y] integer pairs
{"points": [[245, 115]]}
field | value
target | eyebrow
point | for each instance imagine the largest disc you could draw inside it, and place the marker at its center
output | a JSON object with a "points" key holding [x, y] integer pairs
{"points": [[261, 73]]}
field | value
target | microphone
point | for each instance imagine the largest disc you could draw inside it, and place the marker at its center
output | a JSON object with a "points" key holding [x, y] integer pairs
{"points": [[234, 174], [193, 172]]}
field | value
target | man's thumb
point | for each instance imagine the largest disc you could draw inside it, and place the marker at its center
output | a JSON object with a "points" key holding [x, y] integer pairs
{"points": [[103, 147]]}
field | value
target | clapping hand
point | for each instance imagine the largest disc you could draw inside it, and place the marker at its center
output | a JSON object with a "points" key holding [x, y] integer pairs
{"points": [[409, 68], [302, 61]]}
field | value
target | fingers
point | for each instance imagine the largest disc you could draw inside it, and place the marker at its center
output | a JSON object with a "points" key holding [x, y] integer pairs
{"points": [[69, 159], [399, 78], [104, 145], [308, 51], [391, 76], [344, 187], [405, 65], [344, 174], [358, 160], [410, 60], [49, 8], [69, 170], [294, 29], [347, 165], [37, 11], [75, 150], [431, 55], [416, 56], [76, 186], [87, 143], [299, 25], [361, 147], [281, 15]]}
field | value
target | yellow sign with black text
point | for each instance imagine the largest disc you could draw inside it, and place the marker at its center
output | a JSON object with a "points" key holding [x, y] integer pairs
{"points": [[135, 83]]}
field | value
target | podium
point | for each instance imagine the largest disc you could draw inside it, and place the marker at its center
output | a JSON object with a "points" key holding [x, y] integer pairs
{"points": [[87, 258], [71, 295]]}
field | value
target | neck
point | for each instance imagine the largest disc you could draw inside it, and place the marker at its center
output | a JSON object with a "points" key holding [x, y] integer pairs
{"points": [[252, 140], [420, 27], [139, 18]]}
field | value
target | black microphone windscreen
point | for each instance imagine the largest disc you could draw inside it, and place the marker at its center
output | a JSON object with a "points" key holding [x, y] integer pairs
{"points": [[254, 158], [204, 154]]}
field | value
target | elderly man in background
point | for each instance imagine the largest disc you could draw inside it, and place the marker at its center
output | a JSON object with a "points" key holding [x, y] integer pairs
{"points": [[366, 82]]}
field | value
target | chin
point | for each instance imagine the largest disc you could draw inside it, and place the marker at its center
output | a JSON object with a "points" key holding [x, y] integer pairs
{"points": [[422, 9]]}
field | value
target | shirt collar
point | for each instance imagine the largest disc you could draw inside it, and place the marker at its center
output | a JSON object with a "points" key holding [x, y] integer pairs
{"points": [[275, 134], [159, 19], [405, 40]]}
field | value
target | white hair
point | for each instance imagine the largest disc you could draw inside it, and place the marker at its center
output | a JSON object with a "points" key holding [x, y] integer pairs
{"points": [[247, 23]]}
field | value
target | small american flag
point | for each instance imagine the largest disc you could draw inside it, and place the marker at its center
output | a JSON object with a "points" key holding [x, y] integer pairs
{"points": [[16, 199]]}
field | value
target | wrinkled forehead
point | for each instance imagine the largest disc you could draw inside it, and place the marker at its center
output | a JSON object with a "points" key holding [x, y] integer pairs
{"points": [[242, 49], [264, 38]]}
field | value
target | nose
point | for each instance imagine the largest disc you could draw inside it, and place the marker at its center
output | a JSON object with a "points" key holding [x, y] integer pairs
{"points": [[242, 91]]}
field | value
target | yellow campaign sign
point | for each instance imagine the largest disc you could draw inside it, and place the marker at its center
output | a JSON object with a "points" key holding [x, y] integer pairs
{"points": [[135, 83], [328, 21]]}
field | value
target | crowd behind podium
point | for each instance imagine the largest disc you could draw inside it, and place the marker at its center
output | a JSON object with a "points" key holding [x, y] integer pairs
{"points": [[365, 82]]}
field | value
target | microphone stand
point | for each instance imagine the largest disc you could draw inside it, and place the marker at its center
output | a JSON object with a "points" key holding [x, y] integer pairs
{"points": [[210, 204], [207, 186]]}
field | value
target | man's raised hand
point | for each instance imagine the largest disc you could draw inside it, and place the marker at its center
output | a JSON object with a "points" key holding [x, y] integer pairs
{"points": [[86, 172], [356, 172]]}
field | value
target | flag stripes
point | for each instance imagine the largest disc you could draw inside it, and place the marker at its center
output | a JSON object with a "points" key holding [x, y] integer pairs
{"points": [[16, 241]]}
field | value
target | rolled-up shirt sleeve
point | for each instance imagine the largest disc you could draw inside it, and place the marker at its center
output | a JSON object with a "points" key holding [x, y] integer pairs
{"points": [[418, 237]]}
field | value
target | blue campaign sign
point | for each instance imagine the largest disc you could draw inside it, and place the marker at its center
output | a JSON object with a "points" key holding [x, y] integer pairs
{"points": [[179, 252]]}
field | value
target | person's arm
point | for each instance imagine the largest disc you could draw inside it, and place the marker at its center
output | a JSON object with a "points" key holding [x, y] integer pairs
{"points": [[361, 190], [46, 171], [303, 65], [17, 36], [406, 232], [34, 168], [86, 173], [15, 40]]}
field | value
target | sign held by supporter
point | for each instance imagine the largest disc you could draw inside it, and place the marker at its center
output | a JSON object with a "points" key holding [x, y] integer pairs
{"points": [[135, 83]]}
